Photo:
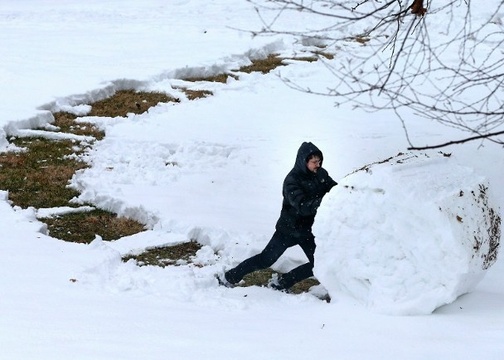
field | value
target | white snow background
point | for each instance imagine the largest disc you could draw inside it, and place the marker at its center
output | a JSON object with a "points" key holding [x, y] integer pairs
{"points": [[233, 150]]}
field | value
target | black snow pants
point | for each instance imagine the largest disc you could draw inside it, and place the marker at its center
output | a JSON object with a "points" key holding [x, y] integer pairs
{"points": [[273, 250]]}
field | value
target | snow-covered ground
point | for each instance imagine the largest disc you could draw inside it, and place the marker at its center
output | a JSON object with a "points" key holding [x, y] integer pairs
{"points": [[232, 150]]}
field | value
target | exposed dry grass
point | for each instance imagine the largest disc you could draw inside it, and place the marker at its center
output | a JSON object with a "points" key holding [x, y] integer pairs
{"points": [[39, 176], [221, 78], [361, 39], [83, 226], [305, 58], [325, 54], [257, 65], [259, 278], [129, 101], [197, 94], [304, 286], [262, 278], [263, 65], [167, 255], [67, 124]]}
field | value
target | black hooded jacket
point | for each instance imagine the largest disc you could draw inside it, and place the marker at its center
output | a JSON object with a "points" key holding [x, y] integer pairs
{"points": [[303, 191]]}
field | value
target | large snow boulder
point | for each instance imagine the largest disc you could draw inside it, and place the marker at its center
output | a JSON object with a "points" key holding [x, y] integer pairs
{"points": [[408, 234]]}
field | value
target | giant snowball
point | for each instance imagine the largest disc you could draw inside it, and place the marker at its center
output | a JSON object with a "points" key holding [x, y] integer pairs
{"points": [[408, 234]]}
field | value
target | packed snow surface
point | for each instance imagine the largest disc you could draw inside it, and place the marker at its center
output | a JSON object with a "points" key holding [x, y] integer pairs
{"points": [[209, 170], [430, 239]]}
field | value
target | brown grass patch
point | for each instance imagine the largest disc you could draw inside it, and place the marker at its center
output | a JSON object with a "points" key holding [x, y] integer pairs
{"points": [[67, 124], [262, 278], [327, 55], [221, 78], [167, 255], [304, 286], [263, 65], [82, 227], [197, 94], [362, 39], [305, 58], [39, 176], [129, 101]]}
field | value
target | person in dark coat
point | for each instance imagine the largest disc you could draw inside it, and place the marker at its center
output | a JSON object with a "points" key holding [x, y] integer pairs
{"points": [[303, 189]]}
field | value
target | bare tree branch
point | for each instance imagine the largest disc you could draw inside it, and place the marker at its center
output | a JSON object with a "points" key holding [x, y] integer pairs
{"points": [[479, 137], [428, 59]]}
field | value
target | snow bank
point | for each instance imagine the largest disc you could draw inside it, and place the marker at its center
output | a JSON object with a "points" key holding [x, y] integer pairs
{"points": [[408, 234]]}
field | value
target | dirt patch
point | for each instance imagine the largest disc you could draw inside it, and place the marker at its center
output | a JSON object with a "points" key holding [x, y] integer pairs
{"points": [[180, 254], [263, 65], [39, 175], [129, 101], [263, 277], [67, 124], [196, 94], [221, 78], [82, 227]]}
